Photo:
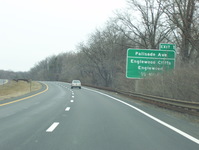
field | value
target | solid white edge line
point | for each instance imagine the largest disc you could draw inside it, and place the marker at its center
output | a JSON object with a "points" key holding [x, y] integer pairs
{"points": [[67, 109], [152, 117], [52, 127]]}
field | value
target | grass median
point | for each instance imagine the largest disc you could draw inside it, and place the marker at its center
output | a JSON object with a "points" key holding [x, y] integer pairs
{"points": [[15, 89]]}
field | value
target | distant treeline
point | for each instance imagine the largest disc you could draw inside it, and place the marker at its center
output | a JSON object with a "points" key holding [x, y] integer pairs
{"points": [[13, 75]]}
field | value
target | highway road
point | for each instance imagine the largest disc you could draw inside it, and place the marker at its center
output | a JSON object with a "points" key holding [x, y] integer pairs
{"points": [[85, 119]]}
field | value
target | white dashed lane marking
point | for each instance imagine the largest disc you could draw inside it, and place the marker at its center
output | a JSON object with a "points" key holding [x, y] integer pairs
{"points": [[67, 109], [52, 127], [55, 124]]}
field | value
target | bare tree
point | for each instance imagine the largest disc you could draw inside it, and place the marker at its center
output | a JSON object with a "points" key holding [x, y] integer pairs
{"points": [[183, 15], [143, 23], [105, 52], [97, 53]]}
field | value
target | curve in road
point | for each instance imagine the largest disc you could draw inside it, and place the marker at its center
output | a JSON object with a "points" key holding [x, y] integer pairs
{"points": [[86, 119]]}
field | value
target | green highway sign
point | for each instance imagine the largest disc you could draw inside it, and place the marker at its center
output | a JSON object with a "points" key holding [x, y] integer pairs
{"points": [[164, 46], [142, 62], [146, 53]]}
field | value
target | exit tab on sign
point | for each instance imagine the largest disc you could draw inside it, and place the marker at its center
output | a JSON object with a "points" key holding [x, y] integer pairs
{"points": [[164, 46], [145, 62]]}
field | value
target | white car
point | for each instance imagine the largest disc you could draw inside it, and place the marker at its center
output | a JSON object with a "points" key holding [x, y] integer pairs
{"points": [[76, 84]]}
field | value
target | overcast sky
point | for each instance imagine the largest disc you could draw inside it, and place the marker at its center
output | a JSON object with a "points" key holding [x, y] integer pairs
{"points": [[31, 30]]}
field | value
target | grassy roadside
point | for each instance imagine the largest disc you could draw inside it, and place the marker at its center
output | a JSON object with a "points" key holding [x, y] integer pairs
{"points": [[14, 89]]}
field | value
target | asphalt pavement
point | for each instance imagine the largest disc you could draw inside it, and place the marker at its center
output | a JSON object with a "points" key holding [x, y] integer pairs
{"points": [[85, 119]]}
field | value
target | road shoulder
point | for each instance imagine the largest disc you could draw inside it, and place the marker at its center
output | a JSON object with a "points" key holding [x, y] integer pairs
{"points": [[186, 123], [25, 96]]}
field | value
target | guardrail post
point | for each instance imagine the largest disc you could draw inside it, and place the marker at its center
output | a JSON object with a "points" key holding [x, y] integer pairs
{"points": [[30, 85], [136, 85]]}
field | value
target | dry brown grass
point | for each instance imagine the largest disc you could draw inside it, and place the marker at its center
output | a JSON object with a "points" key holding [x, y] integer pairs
{"points": [[182, 84], [14, 89]]}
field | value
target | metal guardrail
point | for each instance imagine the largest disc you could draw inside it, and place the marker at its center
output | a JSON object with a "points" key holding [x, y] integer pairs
{"points": [[177, 105], [26, 80]]}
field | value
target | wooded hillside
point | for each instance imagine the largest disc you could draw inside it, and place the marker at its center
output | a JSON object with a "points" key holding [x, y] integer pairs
{"points": [[101, 60]]}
